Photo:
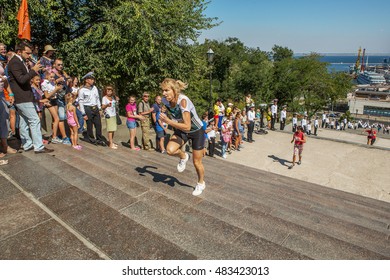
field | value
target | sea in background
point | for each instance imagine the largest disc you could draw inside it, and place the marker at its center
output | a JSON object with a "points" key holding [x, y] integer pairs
{"points": [[342, 62]]}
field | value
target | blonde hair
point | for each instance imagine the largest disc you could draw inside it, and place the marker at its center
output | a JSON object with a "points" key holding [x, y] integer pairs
{"points": [[69, 99], [176, 85]]}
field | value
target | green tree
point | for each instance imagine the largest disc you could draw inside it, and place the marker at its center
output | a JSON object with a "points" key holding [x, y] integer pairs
{"points": [[280, 53], [305, 84]]}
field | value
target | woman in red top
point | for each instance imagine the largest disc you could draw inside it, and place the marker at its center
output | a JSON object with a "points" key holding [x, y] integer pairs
{"points": [[299, 139]]}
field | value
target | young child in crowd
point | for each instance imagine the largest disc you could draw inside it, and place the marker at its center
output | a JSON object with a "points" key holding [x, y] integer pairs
{"points": [[132, 117], [308, 128], [205, 121], [72, 120], [161, 129], [211, 135], [226, 136], [39, 99]]}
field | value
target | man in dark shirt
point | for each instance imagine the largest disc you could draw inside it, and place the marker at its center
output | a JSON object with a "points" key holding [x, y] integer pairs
{"points": [[20, 77]]}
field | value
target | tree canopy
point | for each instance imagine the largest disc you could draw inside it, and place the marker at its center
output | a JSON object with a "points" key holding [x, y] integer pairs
{"points": [[135, 44]]}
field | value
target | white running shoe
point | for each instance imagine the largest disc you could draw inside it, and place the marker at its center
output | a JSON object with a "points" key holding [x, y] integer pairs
{"points": [[56, 140], [182, 163], [199, 188]]}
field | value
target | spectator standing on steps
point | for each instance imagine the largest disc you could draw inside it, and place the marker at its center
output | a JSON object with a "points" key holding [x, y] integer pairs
{"points": [[283, 117], [145, 111], [90, 106], [251, 123], [62, 79], [316, 125], [294, 122], [156, 109], [274, 113], [19, 79]]}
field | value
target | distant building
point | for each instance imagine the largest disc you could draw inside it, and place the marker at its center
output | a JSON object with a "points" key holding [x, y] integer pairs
{"points": [[370, 100]]}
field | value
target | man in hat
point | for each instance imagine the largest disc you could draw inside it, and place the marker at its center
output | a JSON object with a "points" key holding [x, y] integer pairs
{"points": [[274, 113], [283, 117], [90, 106], [47, 60]]}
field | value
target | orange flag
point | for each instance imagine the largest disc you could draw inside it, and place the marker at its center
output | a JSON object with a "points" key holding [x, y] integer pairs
{"points": [[24, 31]]}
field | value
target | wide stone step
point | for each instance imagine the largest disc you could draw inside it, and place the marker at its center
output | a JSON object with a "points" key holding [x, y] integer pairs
{"points": [[279, 206], [202, 242], [286, 195], [115, 234], [107, 229]]}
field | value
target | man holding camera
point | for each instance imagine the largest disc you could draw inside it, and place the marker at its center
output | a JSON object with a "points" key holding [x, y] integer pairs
{"points": [[20, 76], [62, 79], [90, 107]]}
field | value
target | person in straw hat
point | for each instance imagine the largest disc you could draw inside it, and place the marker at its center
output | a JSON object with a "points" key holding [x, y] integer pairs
{"points": [[47, 60]]}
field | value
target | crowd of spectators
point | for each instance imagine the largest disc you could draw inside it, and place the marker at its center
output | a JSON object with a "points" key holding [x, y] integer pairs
{"points": [[30, 84]]}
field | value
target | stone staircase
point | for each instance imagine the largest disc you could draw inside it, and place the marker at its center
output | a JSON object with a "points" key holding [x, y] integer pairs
{"points": [[100, 203]]}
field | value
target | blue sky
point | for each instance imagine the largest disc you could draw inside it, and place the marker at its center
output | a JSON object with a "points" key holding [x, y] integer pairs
{"points": [[304, 26]]}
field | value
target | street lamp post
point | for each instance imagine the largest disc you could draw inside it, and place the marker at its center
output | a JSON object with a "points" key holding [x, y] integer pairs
{"points": [[210, 58]]}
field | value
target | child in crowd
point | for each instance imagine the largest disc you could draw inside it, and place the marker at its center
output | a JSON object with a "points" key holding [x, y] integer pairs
{"points": [[109, 106], [226, 137], [211, 135], [50, 90], [244, 118], [230, 127], [237, 129], [72, 120], [132, 116], [308, 127], [161, 129], [39, 100], [205, 121]]}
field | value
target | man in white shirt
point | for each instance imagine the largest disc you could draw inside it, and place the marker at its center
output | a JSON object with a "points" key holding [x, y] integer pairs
{"points": [[294, 122], [316, 125], [251, 123], [323, 119], [274, 113], [283, 117], [90, 107]]}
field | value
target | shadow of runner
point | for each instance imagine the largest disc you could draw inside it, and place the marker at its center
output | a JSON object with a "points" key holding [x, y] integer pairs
{"points": [[160, 178], [281, 161]]}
